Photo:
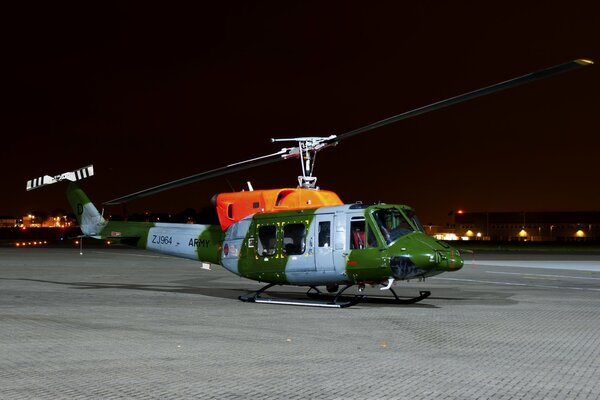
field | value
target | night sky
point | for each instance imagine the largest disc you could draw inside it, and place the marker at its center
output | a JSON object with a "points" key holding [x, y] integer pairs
{"points": [[149, 94]]}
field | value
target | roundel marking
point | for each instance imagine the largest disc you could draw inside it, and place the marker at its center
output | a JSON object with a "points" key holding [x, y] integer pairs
{"points": [[226, 249], [79, 209]]}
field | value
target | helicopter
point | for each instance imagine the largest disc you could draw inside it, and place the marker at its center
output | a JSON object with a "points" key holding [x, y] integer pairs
{"points": [[302, 236]]}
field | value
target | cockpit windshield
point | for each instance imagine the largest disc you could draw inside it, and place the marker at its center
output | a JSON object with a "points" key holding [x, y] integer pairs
{"points": [[410, 213], [392, 224]]}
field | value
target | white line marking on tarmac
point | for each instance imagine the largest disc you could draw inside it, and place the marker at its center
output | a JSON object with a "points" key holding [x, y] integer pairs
{"points": [[593, 266], [517, 284], [544, 275]]}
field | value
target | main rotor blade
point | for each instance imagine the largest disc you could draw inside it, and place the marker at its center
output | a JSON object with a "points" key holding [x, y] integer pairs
{"points": [[255, 162], [555, 70]]}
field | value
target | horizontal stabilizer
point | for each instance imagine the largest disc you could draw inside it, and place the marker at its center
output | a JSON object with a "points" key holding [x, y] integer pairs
{"points": [[72, 176]]}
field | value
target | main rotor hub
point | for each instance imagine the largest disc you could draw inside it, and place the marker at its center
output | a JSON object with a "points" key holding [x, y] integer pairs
{"points": [[307, 151]]}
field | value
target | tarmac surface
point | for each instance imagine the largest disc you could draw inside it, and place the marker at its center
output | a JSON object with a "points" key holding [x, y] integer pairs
{"points": [[118, 323]]}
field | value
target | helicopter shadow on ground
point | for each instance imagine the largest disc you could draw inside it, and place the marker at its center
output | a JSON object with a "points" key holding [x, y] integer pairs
{"points": [[450, 295], [456, 297], [224, 293]]}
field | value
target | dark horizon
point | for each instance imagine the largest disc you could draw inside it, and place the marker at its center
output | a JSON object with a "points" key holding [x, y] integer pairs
{"points": [[154, 94]]}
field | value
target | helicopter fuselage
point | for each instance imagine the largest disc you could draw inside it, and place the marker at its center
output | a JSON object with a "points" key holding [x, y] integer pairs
{"points": [[346, 244]]}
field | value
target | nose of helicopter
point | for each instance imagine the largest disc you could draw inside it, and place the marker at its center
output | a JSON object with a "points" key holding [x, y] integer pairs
{"points": [[448, 259], [421, 254]]}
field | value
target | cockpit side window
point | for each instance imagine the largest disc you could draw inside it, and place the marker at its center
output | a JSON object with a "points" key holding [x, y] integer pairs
{"points": [[392, 224], [361, 234], [371, 239]]}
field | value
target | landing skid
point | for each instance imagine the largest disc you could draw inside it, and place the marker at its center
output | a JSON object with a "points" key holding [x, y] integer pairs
{"points": [[423, 294], [335, 303]]}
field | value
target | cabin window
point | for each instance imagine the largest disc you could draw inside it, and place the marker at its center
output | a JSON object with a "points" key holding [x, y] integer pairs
{"points": [[324, 234], [294, 239], [239, 230], [267, 240]]}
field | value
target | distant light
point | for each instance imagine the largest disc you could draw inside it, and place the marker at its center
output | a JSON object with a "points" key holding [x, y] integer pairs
{"points": [[460, 212], [108, 242], [479, 234], [446, 236], [469, 233], [523, 233], [580, 233], [18, 244]]}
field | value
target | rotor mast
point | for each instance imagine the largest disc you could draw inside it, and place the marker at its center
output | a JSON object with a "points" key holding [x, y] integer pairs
{"points": [[306, 151]]}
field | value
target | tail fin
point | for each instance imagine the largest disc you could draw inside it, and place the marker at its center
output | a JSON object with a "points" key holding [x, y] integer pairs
{"points": [[90, 220]]}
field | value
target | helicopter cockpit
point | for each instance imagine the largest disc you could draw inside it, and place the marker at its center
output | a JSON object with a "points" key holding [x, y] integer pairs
{"points": [[392, 224]]}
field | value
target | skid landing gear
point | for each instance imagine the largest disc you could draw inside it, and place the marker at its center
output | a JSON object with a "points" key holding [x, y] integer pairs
{"points": [[423, 294], [335, 303], [314, 293]]}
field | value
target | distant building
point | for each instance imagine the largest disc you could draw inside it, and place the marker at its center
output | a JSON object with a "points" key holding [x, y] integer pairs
{"points": [[528, 226], [43, 221], [8, 222]]}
